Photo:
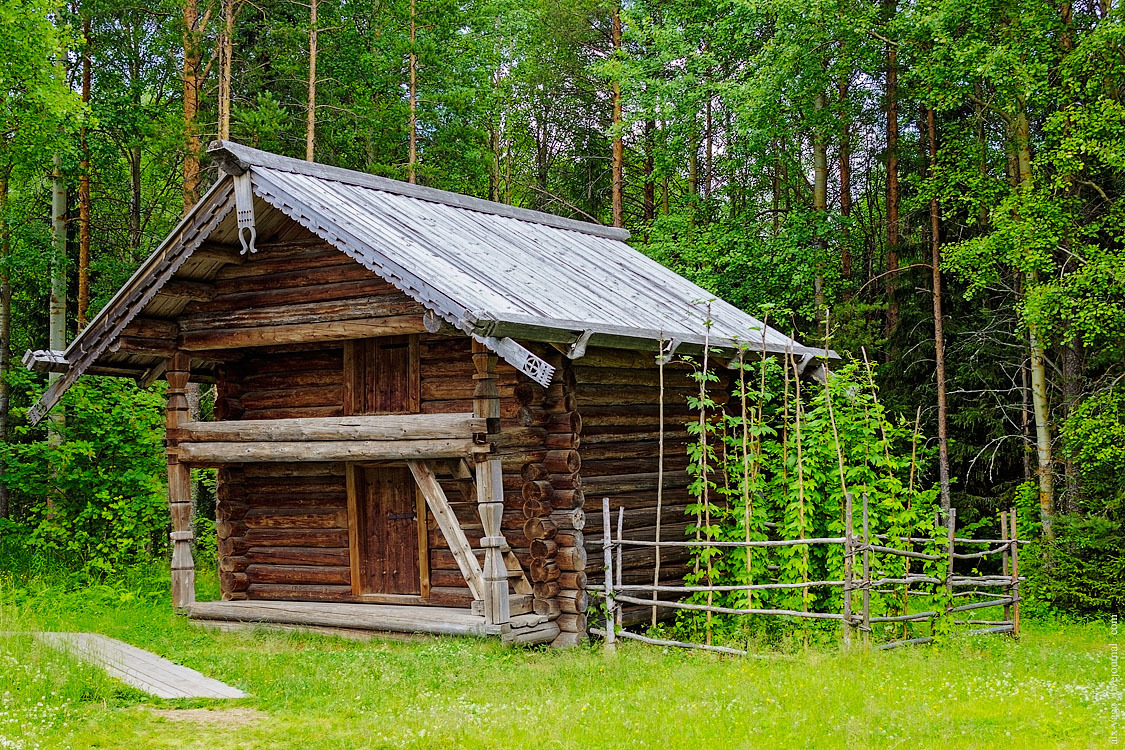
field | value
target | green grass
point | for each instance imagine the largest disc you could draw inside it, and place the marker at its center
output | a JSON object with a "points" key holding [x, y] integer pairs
{"points": [[1053, 688]]}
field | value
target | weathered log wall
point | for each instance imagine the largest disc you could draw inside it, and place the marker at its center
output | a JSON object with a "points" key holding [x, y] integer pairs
{"points": [[283, 527], [617, 395]]}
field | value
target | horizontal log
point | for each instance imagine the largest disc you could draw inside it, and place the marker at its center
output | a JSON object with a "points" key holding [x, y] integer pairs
{"points": [[206, 454], [543, 548], [297, 412], [571, 558], [548, 607], [543, 633], [546, 591], [562, 461], [539, 528], [544, 571], [298, 555], [574, 623], [291, 592], [573, 601], [324, 395], [308, 310], [573, 579], [230, 581], [383, 427], [568, 640], [237, 338], [299, 574], [296, 538], [628, 483], [570, 520], [302, 518]]}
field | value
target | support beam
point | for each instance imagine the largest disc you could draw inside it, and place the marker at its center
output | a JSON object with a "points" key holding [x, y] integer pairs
{"points": [[490, 490], [388, 427], [179, 487], [301, 333], [450, 528], [218, 453]]}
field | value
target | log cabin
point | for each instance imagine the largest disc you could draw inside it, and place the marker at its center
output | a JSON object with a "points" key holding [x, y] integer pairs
{"points": [[418, 397]]}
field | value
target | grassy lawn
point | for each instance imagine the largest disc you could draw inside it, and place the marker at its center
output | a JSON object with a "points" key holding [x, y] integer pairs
{"points": [[1051, 689]]}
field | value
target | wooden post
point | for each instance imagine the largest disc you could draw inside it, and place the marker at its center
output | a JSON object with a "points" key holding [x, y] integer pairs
{"points": [[607, 552], [848, 552], [490, 490], [951, 531], [1014, 590], [620, 547], [179, 485], [866, 575], [1007, 553]]}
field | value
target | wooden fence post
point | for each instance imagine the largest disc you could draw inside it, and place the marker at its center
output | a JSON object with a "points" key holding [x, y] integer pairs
{"points": [[1004, 556], [951, 532], [179, 484], [1014, 589], [866, 575], [620, 552], [607, 553], [848, 552]]}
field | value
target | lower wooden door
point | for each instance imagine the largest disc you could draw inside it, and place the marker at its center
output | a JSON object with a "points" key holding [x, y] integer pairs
{"points": [[392, 534]]}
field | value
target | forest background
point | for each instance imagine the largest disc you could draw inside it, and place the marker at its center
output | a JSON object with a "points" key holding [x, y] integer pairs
{"points": [[935, 184]]}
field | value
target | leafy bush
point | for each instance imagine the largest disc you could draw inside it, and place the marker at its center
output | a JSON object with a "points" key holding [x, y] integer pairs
{"points": [[94, 498]]}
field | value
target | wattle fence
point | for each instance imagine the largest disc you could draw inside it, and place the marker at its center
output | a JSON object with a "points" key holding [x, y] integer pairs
{"points": [[859, 580]]}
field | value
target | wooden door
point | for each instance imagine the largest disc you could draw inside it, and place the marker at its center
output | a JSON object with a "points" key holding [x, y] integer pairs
{"points": [[381, 376], [390, 552], [391, 539]]}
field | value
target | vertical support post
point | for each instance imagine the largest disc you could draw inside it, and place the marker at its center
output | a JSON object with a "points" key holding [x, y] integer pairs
{"points": [[490, 489], [866, 575], [179, 484], [849, 551], [1015, 588], [610, 605], [951, 531], [1007, 553], [620, 547]]}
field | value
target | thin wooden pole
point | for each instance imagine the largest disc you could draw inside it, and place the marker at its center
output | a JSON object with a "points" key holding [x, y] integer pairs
{"points": [[951, 520], [1014, 591], [866, 574], [746, 507], [660, 361], [607, 553], [620, 529], [1004, 560], [848, 552]]}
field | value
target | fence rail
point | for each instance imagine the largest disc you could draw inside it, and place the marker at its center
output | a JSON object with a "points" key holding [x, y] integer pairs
{"points": [[855, 547]]}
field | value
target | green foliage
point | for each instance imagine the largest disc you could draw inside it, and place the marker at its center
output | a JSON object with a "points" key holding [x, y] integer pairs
{"points": [[773, 470], [95, 500]]}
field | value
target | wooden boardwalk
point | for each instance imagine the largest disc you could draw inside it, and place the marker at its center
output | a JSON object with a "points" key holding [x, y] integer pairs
{"points": [[141, 669]]}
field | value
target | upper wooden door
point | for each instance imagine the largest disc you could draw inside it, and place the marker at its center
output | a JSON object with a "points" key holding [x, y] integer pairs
{"points": [[381, 376]]}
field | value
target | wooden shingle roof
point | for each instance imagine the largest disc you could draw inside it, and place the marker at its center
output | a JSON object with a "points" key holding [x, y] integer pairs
{"points": [[499, 273]]}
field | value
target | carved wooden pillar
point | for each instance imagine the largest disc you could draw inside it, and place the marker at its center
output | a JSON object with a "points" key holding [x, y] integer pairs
{"points": [[179, 485], [490, 491]]}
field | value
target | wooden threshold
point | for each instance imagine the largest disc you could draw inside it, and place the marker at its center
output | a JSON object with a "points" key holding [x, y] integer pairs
{"points": [[394, 618]]}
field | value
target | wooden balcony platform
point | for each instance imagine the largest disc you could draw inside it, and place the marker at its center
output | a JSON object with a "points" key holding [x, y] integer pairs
{"points": [[391, 618]]}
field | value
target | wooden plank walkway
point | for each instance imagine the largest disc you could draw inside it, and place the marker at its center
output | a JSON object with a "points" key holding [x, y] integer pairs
{"points": [[142, 669]]}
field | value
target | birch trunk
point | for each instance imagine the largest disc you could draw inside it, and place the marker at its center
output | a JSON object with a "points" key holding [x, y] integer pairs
{"points": [[84, 189]]}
